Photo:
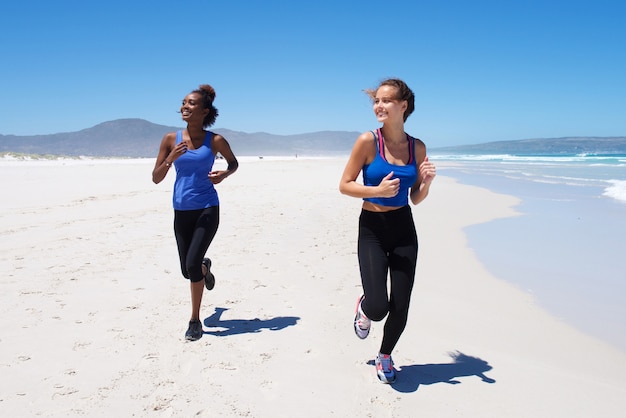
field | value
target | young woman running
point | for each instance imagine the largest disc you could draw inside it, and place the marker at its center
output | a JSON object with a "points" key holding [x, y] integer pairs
{"points": [[395, 168], [192, 151]]}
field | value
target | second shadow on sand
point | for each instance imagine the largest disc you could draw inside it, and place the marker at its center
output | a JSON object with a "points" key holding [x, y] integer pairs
{"points": [[411, 377]]}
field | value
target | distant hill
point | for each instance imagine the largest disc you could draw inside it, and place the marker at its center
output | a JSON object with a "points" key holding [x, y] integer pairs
{"points": [[140, 138], [548, 146]]}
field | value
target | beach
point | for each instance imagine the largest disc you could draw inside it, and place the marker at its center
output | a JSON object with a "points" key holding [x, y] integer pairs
{"points": [[94, 308]]}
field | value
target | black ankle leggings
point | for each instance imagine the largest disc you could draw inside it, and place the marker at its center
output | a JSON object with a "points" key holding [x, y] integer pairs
{"points": [[387, 244], [194, 230]]}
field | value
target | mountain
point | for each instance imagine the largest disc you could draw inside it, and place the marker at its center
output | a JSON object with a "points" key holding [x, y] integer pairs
{"points": [[544, 146], [140, 138]]}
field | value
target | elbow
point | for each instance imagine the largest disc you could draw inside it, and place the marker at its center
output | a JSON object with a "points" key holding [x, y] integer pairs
{"points": [[233, 165], [419, 197], [346, 188]]}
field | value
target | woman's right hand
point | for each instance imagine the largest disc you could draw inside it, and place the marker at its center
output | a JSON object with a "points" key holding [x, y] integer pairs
{"points": [[388, 187], [176, 152]]}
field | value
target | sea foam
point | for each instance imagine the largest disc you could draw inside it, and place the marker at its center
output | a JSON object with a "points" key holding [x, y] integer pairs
{"points": [[617, 190]]}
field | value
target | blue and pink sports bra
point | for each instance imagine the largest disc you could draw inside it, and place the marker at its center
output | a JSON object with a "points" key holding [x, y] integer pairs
{"points": [[374, 172]]}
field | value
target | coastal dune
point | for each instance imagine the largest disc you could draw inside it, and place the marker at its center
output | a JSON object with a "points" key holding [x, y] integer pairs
{"points": [[93, 307]]}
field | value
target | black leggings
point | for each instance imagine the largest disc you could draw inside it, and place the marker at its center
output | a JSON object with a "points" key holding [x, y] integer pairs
{"points": [[387, 244], [194, 230]]}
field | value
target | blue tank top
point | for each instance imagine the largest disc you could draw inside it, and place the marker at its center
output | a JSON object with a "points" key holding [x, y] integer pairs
{"points": [[192, 188], [374, 172]]}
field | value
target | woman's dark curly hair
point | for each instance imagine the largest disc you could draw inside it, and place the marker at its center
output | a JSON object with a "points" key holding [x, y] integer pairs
{"points": [[208, 95], [404, 93]]}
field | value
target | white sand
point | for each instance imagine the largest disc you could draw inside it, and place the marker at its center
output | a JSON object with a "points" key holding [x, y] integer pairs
{"points": [[93, 308]]}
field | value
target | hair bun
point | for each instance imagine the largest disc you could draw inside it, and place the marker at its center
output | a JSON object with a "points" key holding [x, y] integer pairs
{"points": [[209, 90]]}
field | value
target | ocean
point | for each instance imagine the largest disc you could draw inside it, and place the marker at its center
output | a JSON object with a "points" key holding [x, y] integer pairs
{"points": [[568, 246]]}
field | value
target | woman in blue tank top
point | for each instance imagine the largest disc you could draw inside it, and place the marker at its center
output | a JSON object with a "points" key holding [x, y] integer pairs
{"points": [[192, 151], [395, 169]]}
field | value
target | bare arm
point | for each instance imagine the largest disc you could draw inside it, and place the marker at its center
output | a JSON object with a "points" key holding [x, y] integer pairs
{"points": [[363, 152], [426, 174], [219, 144], [168, 153]]}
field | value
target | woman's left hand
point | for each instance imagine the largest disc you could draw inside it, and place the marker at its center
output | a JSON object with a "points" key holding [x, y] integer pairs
{"points": [[216, 177], [427, 171]]}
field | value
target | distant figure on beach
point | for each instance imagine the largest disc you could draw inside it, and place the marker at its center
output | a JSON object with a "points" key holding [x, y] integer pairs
{"points": [[196, 205], [395, 167]]}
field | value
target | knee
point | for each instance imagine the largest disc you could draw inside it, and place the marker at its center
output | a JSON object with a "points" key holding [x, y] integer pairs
{"points": [[400, 310], [376, 311], [378, 315], [194, 272]]}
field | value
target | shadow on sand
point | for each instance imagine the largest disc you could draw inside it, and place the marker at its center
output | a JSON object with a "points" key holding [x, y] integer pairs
{"points": [[411, 377], [244, 326]]}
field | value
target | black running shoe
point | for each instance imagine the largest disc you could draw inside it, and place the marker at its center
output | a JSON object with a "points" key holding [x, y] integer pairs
{"points": [[209, 278], [194, 332]]}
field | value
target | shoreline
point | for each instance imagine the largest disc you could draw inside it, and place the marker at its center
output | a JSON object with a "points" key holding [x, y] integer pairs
{"points": [[564, 251], [89, 268]]}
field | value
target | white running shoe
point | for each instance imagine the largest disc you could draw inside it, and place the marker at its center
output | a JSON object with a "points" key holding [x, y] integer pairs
{"points": [[362, 323], [384, 368]]}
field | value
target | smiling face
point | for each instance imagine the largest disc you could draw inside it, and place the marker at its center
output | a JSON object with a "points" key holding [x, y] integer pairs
{"points": [[192, 109], [387, 107]]}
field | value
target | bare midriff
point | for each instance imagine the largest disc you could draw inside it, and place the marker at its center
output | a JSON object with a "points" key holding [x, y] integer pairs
{"points": [[373, 207]]}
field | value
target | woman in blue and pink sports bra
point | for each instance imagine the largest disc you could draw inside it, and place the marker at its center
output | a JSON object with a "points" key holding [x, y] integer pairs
{"points": [[395, 169]]}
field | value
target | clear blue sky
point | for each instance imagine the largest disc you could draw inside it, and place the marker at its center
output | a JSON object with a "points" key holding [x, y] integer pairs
{"points": [[481, 70]]}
